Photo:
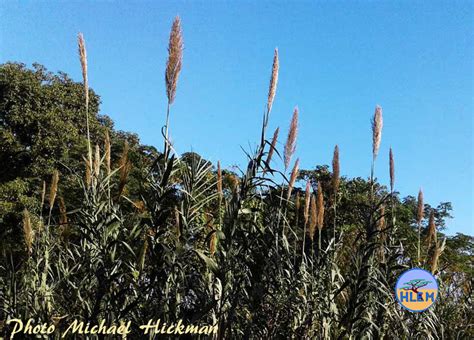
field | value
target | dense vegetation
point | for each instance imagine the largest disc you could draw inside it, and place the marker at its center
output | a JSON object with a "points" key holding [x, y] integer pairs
{"points": [[94, 225]]}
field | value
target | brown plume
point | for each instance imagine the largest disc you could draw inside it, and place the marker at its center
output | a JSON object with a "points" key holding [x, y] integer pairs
{"points": [[421, 207], [54, 188], [107, 148], [97, 161], [219, 180], [62, 212], [88, 178], [438, 250], [43, 195], [273, 81], [290, 145], [335, 170], [307, 201], [83, 59], [432, 237], [320, 207], [175, 58], [297, 203], [313, 220], [377, 124], [27, 231]]}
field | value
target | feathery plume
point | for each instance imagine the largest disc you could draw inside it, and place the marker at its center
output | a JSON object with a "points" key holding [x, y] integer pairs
{"points": [[381, 221], [290, 145], [421, 207], [313, 220], [219, 180], [294, 174], [431, 230], [419, 218], [88, 178], [63, 220], [107, 152], [392, 171], [83, 59], [27, 230], [97, 161], [272, 146], [62, 212], [54, 188], [436, 255], [43, 194], [175, 58], [273, 81], [307, 201], [377, 124], [335, 170], [320, 207], [234, 182]]}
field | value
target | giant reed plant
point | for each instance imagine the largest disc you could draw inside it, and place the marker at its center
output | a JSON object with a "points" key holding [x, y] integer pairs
{"points": [[257, 259]]}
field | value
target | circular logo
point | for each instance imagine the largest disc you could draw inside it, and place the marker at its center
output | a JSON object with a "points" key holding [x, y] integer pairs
{"points": [[416, 289]]}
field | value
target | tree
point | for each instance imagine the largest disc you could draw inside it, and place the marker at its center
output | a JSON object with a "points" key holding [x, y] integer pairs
{"points": [[415, 284]]}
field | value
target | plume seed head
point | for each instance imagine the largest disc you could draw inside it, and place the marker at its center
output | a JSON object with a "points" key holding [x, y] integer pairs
{"points": [[335, 170], [43, 194], [273, 81], [294, 175], [432, 235], [27, 230], [107, 148], [307, 199], [392, 171], [88, 178], [377, 124], [62, 212], [175, 59], [83, 59], [320, 207], [421, 207], [290, 145], [313, 220], [381, 221], [54, 188], [219, 180], [97, 161], [438, 250]]}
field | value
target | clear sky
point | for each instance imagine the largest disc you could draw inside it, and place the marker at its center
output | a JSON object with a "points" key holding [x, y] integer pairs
{"points": [[338, 59]]}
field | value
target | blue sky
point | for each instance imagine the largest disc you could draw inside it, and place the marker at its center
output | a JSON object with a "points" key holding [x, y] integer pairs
{"points": [[337, 61]]}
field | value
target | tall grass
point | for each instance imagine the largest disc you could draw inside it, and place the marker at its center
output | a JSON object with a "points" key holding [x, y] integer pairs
{"points": [[205, 246]]}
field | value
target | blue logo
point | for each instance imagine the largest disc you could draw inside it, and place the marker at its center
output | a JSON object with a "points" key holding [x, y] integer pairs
{"points": [[416, 290]]}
